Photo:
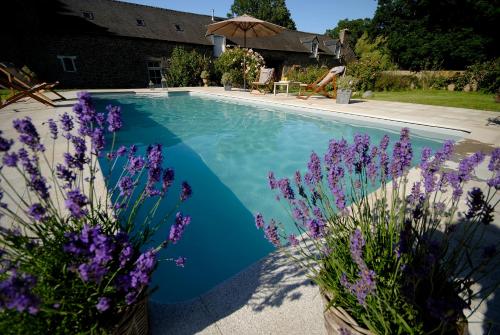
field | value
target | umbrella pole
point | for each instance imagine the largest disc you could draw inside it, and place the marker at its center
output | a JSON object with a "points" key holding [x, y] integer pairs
{"points": [[244, 60]]}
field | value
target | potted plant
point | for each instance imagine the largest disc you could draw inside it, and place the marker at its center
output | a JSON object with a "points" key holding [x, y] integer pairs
{"points": [[398, 260], [227, 81], [74, 260], [344, 89], [204, 76]]}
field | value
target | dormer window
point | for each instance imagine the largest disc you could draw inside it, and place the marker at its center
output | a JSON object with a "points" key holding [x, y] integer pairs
{"points": [[88, 15], [178, 27], [140, 22], [314, 48]]}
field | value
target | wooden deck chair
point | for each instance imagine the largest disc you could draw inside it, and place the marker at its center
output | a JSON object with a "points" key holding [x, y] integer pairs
{"points": [[319, 86], [25, 79], [32, 92], [265, 80]]}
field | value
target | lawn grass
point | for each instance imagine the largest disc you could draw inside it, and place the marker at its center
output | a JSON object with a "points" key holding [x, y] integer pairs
{"points": [[4, 94], [474, 100]]}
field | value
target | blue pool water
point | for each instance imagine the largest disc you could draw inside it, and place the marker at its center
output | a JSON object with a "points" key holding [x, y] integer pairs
{"points": [[224, 149]]}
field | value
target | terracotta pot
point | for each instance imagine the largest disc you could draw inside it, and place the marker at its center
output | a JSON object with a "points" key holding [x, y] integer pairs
{"points": [[337, 318], [135, 321]]}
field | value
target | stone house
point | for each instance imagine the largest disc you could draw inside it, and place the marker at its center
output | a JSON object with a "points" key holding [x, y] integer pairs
{"points": [[108, 43]]}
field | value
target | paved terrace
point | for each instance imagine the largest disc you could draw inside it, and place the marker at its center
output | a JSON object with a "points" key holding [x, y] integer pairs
{"points": [[272, 296]]}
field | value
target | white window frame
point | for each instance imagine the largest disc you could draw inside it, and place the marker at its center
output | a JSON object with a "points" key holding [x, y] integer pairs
{"points": [[338, 48], [72, 58], [314, 48], [223, 44], [154, 68]]}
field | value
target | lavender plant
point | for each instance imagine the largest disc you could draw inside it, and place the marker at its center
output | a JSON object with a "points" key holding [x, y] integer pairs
{"points": [[402, 259], [73, 260]]}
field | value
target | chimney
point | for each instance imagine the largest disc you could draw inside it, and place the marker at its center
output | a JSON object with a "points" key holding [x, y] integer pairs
{"points": [[213, 14], [344, 36]]}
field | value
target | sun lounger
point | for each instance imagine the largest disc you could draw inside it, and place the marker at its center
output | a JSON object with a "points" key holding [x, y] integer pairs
{"points": [[319, 86]]}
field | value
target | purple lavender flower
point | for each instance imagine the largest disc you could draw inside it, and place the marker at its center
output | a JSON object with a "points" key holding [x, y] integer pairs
{"points": [[65, 174], [494, 182], [126, 254], [5, 144], [316, 228], [186, 191], [356, 246], [298, 178], [114, 118], [135, 165], [16, 293], [314, 167], [10, 159], [415, 195], [103, 304], [384, 143], [180, 261], [402, 154], [53, 128], [292, 240], [38, 184], [28, 133], [286, 189], [177, 229], [144, 266], [37, 211], [126, 186], [75, 203], [99, 119], [259, 221], [66, 122], [167, 179], [494, 164], [272, 180], [97, 141], [335, 151], [335, 175], [271, 233], [122, 151]]}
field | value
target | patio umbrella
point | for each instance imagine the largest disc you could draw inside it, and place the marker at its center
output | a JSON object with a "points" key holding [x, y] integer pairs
{"points": [[244, 26]]}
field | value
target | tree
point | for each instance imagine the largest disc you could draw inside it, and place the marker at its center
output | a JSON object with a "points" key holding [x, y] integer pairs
{"points": [[438, 34], [356, 28], [274, 11]]}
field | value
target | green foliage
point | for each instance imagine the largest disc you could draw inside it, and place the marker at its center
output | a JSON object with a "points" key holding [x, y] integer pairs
{"points": [[227, 78], [185, 67], [485, 75], [373, 59], [274, 11], [356, 29], [394, 82], [204, 74], [438, 34], [232, 61], [308, 74], [347, 82]]}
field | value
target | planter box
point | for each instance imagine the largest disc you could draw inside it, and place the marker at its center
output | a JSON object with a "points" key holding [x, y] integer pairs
{"points": [[337, 318], [343, 96], [135, 321]]}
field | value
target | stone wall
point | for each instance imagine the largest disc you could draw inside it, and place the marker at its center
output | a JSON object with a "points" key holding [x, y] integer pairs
{"points": [[101, 61]]}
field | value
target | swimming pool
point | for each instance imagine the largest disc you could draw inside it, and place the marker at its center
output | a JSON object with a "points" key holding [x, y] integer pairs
{"points": [[225, 149]]}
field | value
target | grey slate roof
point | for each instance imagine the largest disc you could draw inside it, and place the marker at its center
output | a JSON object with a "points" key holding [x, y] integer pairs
{"points": [[120, 19]]}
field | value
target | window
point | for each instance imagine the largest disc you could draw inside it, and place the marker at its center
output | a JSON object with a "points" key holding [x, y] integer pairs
{"points": [[178, 27], [314, 48], [140, 22], [337, 50], [154, 71], [68, 63], [88, 15], [219, 45]]}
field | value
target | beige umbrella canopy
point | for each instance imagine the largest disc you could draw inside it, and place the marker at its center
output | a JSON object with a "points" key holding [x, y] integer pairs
{"points": [[244, 26]]}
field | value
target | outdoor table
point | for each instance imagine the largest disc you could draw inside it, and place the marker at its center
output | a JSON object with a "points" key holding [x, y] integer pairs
{"points": [[285, 83]]}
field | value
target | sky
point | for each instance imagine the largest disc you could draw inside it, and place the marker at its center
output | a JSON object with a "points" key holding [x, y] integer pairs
{"points": [[313, 16]]}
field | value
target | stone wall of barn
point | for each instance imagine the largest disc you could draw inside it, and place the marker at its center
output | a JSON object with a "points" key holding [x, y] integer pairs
{"points": [[101, 61]]}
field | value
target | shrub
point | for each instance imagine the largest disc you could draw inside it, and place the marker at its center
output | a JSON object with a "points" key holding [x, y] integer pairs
{"points": [[346, 82], [231, 61], [308, 74], [227, 78], [185, 67], [394, 82], [394, 259], [485, 75], [204, 74], [79, 269]]}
